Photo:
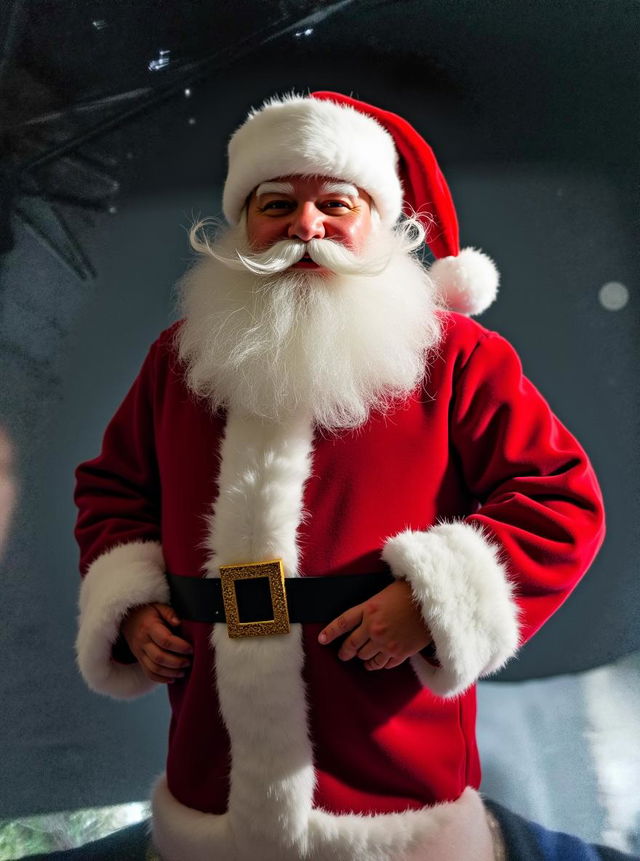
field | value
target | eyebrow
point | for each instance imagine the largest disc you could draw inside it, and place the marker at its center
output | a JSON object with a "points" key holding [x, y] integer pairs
{"points": [[345, 188], [274, 188]]}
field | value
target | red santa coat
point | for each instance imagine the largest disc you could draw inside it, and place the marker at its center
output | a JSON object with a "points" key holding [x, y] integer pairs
{"points": [[471, 489]]}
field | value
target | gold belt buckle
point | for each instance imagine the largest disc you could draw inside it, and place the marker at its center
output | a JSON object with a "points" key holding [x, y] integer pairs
{"points": [[274, 572]]}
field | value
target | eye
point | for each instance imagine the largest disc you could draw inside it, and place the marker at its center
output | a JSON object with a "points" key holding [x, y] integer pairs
{"points": [[336, 204], [276, 206]]}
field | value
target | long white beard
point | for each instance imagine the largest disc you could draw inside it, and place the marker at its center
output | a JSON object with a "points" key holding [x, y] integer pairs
{"points": [[333, 347]]}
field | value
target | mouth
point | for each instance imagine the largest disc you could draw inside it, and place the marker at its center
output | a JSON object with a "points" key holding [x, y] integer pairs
{"points": [[306, 262]]}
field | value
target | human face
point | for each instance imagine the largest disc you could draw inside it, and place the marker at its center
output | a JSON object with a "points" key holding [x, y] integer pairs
{"points": [[305, 208]]}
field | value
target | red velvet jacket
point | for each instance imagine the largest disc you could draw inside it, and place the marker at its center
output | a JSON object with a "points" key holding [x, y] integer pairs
{"points": [[472, 490]]}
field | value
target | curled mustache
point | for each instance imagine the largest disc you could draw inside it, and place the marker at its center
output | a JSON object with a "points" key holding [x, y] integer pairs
{"points": [[284, 254]]}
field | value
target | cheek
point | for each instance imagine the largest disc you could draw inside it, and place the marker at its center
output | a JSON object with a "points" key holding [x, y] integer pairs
{"points": [[260, 232], [355, 235]]}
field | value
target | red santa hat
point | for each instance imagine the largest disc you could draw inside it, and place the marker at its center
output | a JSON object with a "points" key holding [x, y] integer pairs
{"points": [[329, 134]]}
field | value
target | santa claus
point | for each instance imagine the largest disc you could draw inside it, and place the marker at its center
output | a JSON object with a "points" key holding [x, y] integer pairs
{"points": [[329, 503]]}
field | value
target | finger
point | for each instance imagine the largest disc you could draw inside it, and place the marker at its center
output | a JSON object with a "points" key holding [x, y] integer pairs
{"points": [[343, 623], [163, 638], [369, 650], [167, 613], [162, 658], [155, 677], [394, 662], [158, 672], [162, 675], [378, 662], [354, 642]]}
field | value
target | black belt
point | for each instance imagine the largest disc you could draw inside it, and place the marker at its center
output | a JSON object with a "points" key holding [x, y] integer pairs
{"points": [[309, 599]]}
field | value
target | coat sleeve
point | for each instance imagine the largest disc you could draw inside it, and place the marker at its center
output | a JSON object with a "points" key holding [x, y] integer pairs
{"points": [[118, 531], [488, 582]]}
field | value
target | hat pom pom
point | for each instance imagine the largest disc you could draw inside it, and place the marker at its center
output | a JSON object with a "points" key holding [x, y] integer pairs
{"points": [[467, 283]]}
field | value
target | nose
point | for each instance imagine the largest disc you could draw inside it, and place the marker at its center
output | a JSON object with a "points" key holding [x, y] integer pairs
{"points": [[307, 222]]}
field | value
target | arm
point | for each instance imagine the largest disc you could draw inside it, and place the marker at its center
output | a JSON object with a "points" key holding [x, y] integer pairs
{"points": [[488, 582], [118, 530]]}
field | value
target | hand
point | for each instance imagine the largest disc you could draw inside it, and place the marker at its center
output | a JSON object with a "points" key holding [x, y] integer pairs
{"points": [[159, 652], [385, 630]]}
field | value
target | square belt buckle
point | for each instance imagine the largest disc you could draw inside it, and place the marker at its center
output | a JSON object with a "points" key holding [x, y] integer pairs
{"points": [[274, 572]]}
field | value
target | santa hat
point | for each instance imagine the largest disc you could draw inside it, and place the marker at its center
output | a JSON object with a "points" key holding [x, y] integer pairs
{"points": [[329, 134]]}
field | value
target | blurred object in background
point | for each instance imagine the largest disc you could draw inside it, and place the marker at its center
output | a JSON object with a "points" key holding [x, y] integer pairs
{"points": [[8, 489]]}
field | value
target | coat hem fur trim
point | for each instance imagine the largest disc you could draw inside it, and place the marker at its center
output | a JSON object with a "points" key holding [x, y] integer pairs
{"points": [[450, 831]]}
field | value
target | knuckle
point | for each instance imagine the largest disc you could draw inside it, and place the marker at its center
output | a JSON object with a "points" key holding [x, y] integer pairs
{"points": [[154, 652], [167, 654], [171, 674], [170, 663], [154, 666], [164, 641]]}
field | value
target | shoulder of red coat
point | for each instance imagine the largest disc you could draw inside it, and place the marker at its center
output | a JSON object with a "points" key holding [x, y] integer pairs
{"points": [[165, 342], [460, 332]]}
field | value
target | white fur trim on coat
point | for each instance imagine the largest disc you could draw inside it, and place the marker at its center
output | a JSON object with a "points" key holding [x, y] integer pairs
{"points": [[123, 577], [453, 831], [264, 466], [463, 590], [307, 136]]}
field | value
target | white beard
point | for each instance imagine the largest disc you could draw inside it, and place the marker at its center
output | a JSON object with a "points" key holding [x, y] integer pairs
{"points": [[332, 347]]}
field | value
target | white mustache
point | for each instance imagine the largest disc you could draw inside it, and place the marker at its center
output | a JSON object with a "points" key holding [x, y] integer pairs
{"points": [[325, 252]]}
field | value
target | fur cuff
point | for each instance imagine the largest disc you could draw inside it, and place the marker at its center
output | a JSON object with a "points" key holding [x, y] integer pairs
{"points": [[123, 577], [462, 588]]}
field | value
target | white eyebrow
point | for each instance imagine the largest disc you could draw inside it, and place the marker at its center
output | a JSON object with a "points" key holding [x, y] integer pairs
{"points": [[275, 188], [272, 187], [340, 188]]}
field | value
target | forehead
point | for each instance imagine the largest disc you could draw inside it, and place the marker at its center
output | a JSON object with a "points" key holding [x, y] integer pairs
{"points": [[309, 185]]}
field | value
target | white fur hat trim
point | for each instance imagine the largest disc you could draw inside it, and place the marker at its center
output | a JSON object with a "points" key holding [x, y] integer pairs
{"points": [[313, 137]]}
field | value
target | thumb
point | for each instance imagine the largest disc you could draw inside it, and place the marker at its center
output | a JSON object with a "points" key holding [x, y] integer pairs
{"points": [[167, 613]]}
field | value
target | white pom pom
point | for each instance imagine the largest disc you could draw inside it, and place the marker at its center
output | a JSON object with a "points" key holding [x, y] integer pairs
{"points": [[467, 283]]}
